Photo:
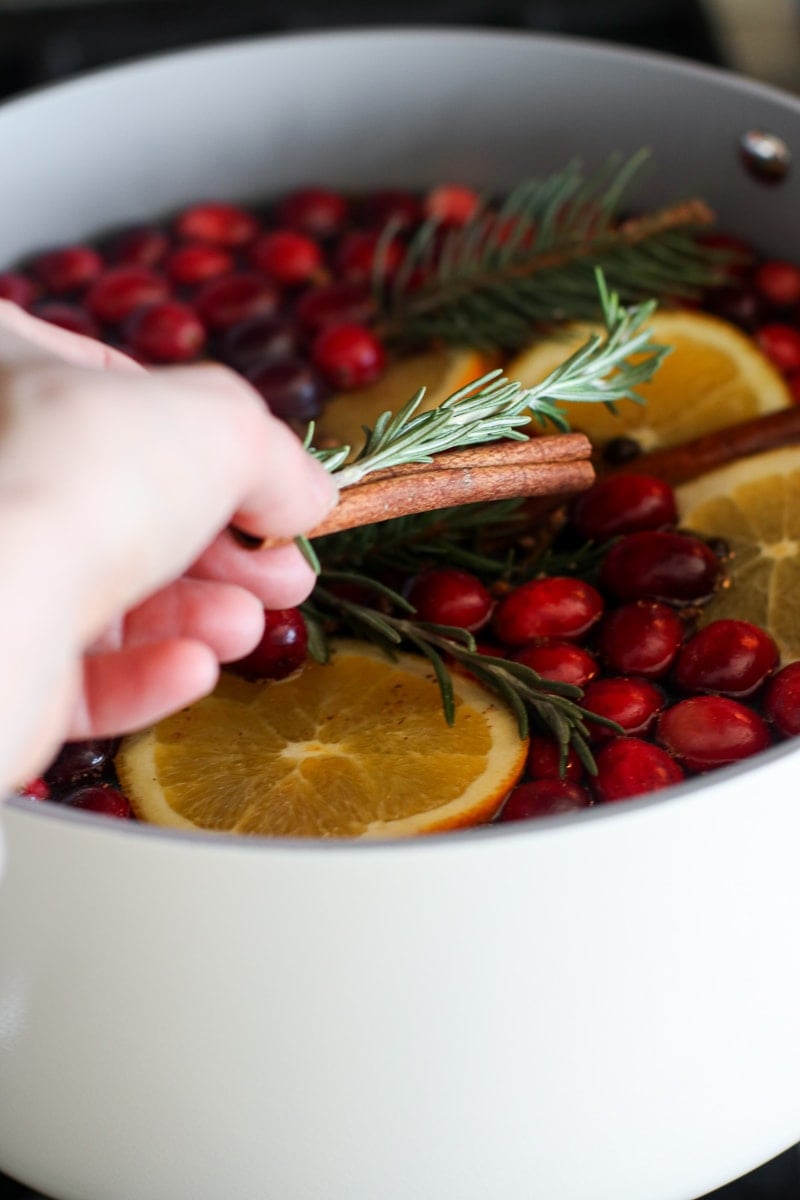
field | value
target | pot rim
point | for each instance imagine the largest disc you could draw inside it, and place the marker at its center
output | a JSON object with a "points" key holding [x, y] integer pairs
{"points": [[580, 47]]}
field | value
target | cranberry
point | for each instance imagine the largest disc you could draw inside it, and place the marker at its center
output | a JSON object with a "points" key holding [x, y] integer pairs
{"points": [[641, 638], [19, 288], [740, 305], [197, 262], [558, 606], [166, 333], [349, 356], [660, 565], [228, 301], [220, 224], [68, 269], [287, 256], [782, 700], [452, 204], [282, 649], [628, 766], [544, 798], [143, 246], [738, 253], [781, 344], [632, 703], [316, 211], [292, 388], [779, 283], [79, 760], [621, 450], [559, 661], [392, 206], [733, 657], [335, 304], [624, 504], [794, 387], [106, 801], [361, 253], [121, 290], [67, 316], [544, 761], [711, 731], [448, 596], [35, 789], [258, 341]]}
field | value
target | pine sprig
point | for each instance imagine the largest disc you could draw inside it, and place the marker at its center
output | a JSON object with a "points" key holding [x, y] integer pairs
{"points": [[553, 707], [531, 263]]}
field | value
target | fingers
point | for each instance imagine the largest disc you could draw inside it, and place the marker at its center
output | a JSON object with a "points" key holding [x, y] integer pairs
{"points": [[24, 337], [280, 578], [134, 687]]}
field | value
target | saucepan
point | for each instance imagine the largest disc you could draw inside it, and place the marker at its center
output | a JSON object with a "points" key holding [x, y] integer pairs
{"points": [[594, 1006]]}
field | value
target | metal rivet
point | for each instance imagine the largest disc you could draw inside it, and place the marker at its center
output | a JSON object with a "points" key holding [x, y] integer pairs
{"points": [[765, 155]]}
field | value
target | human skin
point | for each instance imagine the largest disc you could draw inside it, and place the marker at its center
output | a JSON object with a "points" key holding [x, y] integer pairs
{"points": [[121, 588]]}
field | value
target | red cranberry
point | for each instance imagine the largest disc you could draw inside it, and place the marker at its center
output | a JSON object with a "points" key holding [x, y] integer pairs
{"points": [[197, 262], [316, 211], [259, 341], [349, 356], [232, 299], [660, 565], [106, 801], [335, 304], [166, 333], [624, 504], [121, 290], [559, 607], [641, 638], [287, 256], [144, 246], [401, 209], [544, 761], [711, 731], [68, 269], [733, 657], [67, 316], [738, 253], [220, 224], [632, 703], [739, 305], [282, 649], [779, 283], [448, 596], [794, 387], [292, 388], [79, 760], [628, 766], [781, 344], [557, 660], [544, 798], [452, 204], [19, 288], [782, 700], [360, 253], [36, 789]]}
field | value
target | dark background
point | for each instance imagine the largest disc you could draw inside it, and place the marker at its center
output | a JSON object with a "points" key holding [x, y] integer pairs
{"points": [[45, 40]]}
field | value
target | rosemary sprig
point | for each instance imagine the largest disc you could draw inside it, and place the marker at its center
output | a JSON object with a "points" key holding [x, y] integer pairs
{"points": [[553, 707], [606, 369], [531, 262]]}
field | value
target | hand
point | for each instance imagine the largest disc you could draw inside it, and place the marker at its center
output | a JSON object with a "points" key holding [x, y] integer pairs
{"points": [[122, 590]]}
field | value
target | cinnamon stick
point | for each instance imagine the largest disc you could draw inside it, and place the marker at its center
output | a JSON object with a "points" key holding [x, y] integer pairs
{"points": [[678, 464], [555, 466]]}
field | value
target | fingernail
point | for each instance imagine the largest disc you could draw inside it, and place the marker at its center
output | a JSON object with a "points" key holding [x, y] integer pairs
{"points": [[322, 485]]}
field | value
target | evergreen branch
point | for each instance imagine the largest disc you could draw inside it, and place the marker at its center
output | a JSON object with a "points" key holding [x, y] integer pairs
{"points": [[532, 262]]}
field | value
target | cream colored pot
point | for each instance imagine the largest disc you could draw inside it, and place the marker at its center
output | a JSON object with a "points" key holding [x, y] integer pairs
{"points": [[580, 1009]]}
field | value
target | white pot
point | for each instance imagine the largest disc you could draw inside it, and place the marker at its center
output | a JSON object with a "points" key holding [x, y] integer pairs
{"points": [[599, 1007]]}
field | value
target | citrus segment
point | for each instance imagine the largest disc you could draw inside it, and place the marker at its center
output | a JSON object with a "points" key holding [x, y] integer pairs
{"points": [[358, 747], [754, 504], [441, 372], [715, 376]]}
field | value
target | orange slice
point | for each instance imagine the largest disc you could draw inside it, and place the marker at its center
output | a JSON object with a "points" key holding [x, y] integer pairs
{"points": [[715, 376], [355, 748], [441, 372], [754, 504]]}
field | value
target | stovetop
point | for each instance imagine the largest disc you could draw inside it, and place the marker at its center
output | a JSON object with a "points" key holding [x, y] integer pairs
{"points": [[776, 1180]]}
